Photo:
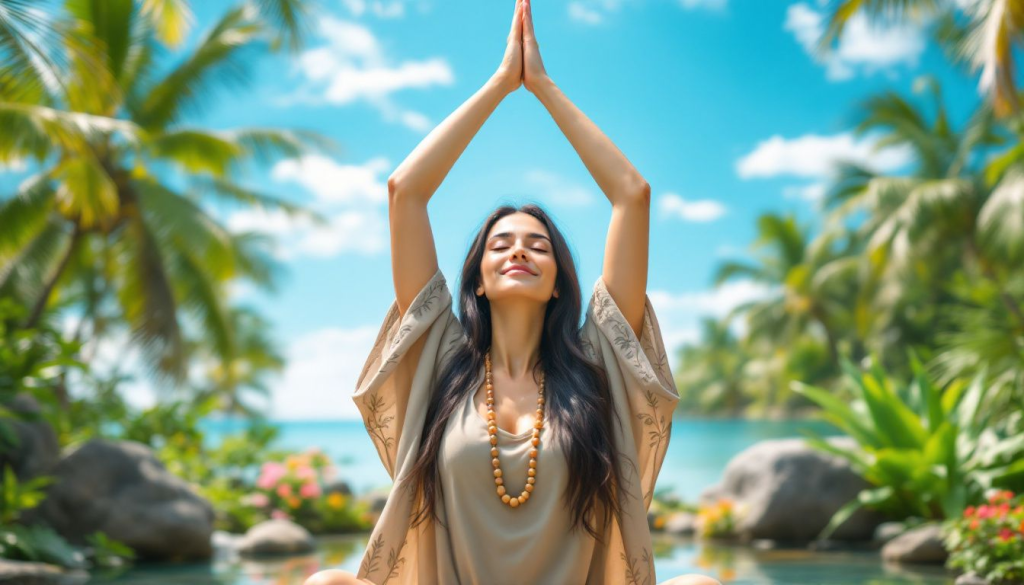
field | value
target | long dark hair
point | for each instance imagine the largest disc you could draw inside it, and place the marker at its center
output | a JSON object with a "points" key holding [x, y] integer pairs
{"points": [[578, 400]]}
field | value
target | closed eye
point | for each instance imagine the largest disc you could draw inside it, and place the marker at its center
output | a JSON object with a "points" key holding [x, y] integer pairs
{"points": [[506, 248]]}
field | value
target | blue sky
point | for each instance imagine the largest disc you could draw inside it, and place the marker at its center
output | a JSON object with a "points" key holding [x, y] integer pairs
{"points": [[718, 103]]}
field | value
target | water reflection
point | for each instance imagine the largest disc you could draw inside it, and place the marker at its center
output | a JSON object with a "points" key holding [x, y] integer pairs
{"points": [[673, 556]]}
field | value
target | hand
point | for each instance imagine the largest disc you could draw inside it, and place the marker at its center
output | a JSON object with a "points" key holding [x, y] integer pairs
{"points": [[510, 72], [534, 75]]}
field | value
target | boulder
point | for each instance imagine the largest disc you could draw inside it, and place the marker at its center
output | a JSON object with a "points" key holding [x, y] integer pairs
{"points": [[37, 451], [681, 524], [276, 537], [338, 486], [25, 573], [887, 531], [971, 579], [921, 545], [785, 490], [122, 489]]}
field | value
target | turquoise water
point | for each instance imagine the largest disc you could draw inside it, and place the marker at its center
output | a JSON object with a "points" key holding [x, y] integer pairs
{"points": [[697, 451], [733, 566], [697, 454]]}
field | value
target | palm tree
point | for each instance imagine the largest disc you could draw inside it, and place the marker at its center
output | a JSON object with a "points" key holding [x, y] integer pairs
{"points": [[919, 227], [985, 41], [246, 372], [123, 178], [710, 377], [812, 279]]}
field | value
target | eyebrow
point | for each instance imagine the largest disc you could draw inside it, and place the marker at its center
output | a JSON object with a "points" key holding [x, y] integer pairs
{"points": [[509, 234]]}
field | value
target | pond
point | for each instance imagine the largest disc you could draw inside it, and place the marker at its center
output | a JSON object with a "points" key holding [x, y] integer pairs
{"points": [[697, 454], [673, 556]]}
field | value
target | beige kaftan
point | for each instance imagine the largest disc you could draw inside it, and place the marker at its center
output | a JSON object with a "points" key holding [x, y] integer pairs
{"points": [[484, 541]]}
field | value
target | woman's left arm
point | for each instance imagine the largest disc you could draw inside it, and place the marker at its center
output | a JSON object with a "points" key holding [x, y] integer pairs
{"points": [[625, 255]]}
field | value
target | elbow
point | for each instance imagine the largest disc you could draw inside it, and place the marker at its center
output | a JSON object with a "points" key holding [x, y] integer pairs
{"points": [[392, 188], [636, 192]]}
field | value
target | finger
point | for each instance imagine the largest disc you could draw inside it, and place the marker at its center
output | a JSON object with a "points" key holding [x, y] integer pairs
{"points": [[517, 21], [528, 22]]}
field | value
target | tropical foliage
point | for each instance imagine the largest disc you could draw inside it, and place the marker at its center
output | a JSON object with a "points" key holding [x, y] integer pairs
{"points": [[927, 450], [931, 260], [988, 540]]}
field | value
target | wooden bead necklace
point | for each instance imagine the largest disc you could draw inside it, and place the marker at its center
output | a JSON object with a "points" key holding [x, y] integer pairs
{"points": [[492, 428]]}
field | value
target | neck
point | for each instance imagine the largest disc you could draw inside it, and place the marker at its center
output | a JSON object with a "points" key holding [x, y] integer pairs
{"points": [[516, 327]]}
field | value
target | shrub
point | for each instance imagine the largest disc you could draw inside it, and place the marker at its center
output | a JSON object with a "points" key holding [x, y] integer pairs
{"points": [[988, 540], [928, 451]]}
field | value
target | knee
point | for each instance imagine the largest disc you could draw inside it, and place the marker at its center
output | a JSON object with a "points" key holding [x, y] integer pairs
{"points": [[334, 577], [691, 580]]}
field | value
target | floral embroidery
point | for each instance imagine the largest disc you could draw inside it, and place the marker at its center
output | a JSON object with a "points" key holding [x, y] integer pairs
{"points": [[369, 564], [377, 423], [633, 570], [657, 435]]}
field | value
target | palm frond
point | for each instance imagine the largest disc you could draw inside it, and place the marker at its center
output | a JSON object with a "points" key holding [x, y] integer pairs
{"points": [[35, 131], [147, 299], [290, 20], [218, 60], [25, 213], [171, 19], [1001, 219]]}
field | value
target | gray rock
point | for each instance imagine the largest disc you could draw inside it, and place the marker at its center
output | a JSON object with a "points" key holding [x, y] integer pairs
{"points": [[922, 545], [681, 524], [787, 491], [38, 450], [276, 537], [122, 489], [338, 486], [887, 531], [971, 579], [24, 573]]}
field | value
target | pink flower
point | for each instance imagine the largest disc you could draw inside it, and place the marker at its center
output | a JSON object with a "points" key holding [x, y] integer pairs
{"points": [[259, 500], [270, 474], [306, 472], [284, 490], [309, 490], [1005, 534], [279, 515]]}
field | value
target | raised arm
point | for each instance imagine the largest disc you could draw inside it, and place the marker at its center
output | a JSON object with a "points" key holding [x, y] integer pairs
{"points": [[413, 183], [625, 254]]}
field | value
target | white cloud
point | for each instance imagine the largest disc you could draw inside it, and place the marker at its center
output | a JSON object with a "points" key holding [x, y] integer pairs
{"points": [[331, 182], [702, 210], [679, 314], [321, 374], [580, 12], [863, 47], [812, 193], [378, 8], [352, 67], [350, 197], [350, 231], [813, 156], [558, 190]]}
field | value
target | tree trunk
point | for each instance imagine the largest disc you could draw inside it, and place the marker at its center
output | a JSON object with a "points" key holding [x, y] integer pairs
{"points": [[44, 298]]}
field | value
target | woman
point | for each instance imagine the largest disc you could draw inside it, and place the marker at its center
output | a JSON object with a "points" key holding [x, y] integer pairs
{"points": [[524, 450]]}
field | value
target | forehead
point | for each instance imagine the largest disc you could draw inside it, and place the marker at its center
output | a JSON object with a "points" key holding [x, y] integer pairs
{"points": [[518, 223]]}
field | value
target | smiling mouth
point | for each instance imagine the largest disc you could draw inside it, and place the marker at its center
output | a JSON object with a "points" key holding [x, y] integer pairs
{"points": [[518, 271]]}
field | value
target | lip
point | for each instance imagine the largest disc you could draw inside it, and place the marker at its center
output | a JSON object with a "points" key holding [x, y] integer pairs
{"points": [[518, 268]]}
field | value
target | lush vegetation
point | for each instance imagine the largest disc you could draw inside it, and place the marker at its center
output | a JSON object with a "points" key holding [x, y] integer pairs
{"points": [[928, 451], [930, 259], [117, 238], [989, 539]]}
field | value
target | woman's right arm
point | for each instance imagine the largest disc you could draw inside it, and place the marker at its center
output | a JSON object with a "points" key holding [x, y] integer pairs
{"points": [[413, 183]]}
